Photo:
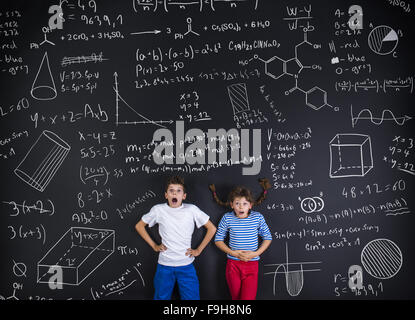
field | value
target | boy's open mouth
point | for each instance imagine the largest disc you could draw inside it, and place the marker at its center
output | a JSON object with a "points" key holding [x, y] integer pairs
{"points": [[174, 200]]}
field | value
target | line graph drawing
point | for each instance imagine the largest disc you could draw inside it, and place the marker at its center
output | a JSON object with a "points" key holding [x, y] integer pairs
{"points": [[382, 258], [43, 87], [125, 106], [387, 115], [79, 252], [294, 274], [42, 160]]}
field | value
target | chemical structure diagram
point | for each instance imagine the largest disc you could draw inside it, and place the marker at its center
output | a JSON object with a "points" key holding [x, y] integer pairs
{"points": [[276, 67], [16, 286]]}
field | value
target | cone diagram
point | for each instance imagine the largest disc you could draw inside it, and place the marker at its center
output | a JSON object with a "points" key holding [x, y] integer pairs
{"points": [[43, 87]]}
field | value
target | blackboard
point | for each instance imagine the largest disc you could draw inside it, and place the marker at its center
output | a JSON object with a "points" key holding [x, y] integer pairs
{"points": [[314, 96]]}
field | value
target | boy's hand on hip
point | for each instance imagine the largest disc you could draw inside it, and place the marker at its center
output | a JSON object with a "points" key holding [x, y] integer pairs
{"points": [[160, 248], [192, 252]]}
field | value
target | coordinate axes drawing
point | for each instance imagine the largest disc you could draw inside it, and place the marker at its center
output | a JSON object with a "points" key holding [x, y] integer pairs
{"points": [[121, 104], [387, 115], [294, 273]]}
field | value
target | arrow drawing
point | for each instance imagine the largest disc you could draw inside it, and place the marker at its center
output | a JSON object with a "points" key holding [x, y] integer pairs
{"points": [[145, 32]]}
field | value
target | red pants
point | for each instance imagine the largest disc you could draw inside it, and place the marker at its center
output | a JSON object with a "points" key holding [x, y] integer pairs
{"points": [[242, 278]]}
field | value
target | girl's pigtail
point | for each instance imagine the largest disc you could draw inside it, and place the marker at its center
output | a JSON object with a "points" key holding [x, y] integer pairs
{"points": [[215, 196], [265, 184]]}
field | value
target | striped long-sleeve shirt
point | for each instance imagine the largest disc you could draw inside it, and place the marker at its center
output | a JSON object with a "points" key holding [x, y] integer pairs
{"points": [[243, 233]]}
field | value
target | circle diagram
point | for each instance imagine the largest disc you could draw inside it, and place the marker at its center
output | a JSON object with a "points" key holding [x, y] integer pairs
{"points": [[382, 258], [383, 40], [310, 205]]}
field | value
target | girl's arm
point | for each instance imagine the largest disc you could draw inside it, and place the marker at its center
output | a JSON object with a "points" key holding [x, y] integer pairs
{"points": [[211, 230], [242, 254], [264, 246], [266, 236], [141, 229], [236, 253], [248, 255]]}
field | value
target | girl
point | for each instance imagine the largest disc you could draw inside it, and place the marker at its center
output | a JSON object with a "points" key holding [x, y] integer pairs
{"points": [[244, 227]]}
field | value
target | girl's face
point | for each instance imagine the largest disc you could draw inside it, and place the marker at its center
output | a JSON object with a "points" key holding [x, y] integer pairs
{"points": [[241, 207]]}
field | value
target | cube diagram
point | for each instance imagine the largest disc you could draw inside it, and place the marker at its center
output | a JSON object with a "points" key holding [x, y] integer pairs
{"points": [[77, 254], [350, 155]]}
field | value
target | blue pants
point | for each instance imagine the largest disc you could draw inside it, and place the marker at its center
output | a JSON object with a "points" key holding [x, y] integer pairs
{"points": [[187, 281]]}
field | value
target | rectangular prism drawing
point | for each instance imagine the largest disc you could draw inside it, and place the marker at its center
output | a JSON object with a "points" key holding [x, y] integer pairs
{"points": [[78, 253], [350, 155]]}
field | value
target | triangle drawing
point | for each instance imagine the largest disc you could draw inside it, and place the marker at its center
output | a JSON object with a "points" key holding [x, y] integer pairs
{"points": [[391, 36]]}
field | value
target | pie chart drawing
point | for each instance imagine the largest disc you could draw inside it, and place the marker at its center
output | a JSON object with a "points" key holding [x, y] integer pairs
{"points": [[383, 40]]}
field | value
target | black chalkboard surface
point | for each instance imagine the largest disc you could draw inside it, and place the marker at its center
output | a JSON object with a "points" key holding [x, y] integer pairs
{"points": [[101, 101]]}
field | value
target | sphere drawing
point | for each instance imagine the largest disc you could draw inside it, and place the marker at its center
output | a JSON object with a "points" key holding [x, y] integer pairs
{"points": [[382, 258]]}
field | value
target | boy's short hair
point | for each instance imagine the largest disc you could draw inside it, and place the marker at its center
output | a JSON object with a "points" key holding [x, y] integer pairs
{"points": [[175, 180], [239, 192]]}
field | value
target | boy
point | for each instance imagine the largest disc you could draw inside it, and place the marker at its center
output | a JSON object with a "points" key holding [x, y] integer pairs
{"points": [[176, 224]]}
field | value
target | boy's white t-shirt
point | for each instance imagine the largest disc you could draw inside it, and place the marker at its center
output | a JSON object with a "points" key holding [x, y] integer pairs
{"points": [[176, 227]]}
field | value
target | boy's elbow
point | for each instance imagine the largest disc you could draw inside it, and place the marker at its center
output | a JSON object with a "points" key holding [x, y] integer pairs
{"points": [[210, 227], [139, 226]]}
